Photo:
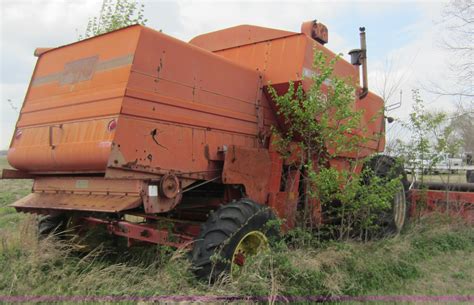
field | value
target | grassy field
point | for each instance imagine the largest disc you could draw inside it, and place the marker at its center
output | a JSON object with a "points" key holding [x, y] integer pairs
{"points": [[432, 257], [11, 190], [444, 178]]}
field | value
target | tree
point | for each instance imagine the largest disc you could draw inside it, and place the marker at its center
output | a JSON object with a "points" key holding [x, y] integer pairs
{"points": [[458, 40], [389, 82], [431, 138], [115, 14], [388, 85], [462, 123]]}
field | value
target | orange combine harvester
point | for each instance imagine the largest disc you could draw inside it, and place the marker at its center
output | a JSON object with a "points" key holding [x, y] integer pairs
{"points": [[135, 122]]}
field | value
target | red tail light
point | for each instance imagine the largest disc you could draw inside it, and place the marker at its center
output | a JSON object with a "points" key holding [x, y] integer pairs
{"points": [[112, 125], [18, 134]]}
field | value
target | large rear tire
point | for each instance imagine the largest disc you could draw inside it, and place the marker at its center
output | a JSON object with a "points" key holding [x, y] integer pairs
{"points": [[394, 219], [52, 225], [397, 217], [231, 234], [386, 167]]}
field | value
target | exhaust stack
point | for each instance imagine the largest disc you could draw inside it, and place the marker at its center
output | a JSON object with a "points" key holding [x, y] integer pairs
{"points": [[363, 47], [359, 58]]}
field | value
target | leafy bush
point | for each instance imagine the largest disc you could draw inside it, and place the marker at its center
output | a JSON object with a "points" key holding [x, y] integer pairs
{"points": [[324, 124]]}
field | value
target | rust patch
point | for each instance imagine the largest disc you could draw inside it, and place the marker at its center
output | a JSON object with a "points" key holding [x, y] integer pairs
{"points": [[15, 174], [155, 202], [71, 202], [249, 167]]}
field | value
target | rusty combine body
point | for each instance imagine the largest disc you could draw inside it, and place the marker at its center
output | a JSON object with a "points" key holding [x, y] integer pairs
{"points": [[135, 122]]}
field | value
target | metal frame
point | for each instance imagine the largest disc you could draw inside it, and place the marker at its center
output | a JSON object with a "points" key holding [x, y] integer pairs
{"points": [[143, 232], [453, 202]]}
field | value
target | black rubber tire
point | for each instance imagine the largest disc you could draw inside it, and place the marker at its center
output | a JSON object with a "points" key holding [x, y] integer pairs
{"points": [[386, 167], [222, 232], [470, 176], [387, 220], [51, 224]]}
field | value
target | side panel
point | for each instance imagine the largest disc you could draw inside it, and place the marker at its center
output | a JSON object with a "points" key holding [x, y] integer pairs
{"points": [[236, 36], [251, 168], [290, 58], [81, 194], [456, 203], [75, 91], [176, 82], [183, 104], [75, 146], [157, 146], [280, 60]]}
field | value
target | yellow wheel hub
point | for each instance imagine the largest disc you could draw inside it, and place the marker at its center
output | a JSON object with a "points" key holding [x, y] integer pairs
{"points": [[252, 243]]}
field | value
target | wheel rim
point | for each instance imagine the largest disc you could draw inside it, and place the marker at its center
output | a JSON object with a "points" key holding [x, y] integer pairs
{"points": [[252, 243], [399, 209]]}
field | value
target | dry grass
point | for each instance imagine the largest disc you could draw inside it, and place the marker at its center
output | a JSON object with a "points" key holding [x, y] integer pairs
{"points": [[433, 257], [10, 191], [423, 261]]}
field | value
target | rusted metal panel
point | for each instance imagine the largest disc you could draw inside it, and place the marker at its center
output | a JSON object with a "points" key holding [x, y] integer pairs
{"points": [[284, 204], [156, 147], [456, 203], [162, 196], [72, 202], [82, 194], [290, 59], [237, 36], [249, 167], [315, 30], [189, 113], [74, 92], [280, 60], [276, 167], [176, 93], [70, 147], [89, 185], [174, 110], [191, 70], [61, 102], [440, 186], [14, 174], [147, 233]]}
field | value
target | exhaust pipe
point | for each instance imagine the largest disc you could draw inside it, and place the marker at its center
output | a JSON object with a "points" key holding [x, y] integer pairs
{"points": [[359, 58], [363, 48]]}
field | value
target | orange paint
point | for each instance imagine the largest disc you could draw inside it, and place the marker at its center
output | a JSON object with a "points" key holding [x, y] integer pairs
{"points": [[135, 104]]}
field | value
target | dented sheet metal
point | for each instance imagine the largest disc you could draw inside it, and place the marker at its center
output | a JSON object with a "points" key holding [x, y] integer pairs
{"points": [[72, 202], [249, 167]]}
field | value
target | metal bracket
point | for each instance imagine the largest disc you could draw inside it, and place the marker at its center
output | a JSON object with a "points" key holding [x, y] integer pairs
{"points": [[51, 144]]}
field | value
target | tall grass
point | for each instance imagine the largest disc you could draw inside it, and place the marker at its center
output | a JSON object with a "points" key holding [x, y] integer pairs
{"points": [[390, 266]]}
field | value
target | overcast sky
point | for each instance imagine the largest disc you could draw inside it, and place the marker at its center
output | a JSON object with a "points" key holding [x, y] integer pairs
{"points": [[405, 33]]}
